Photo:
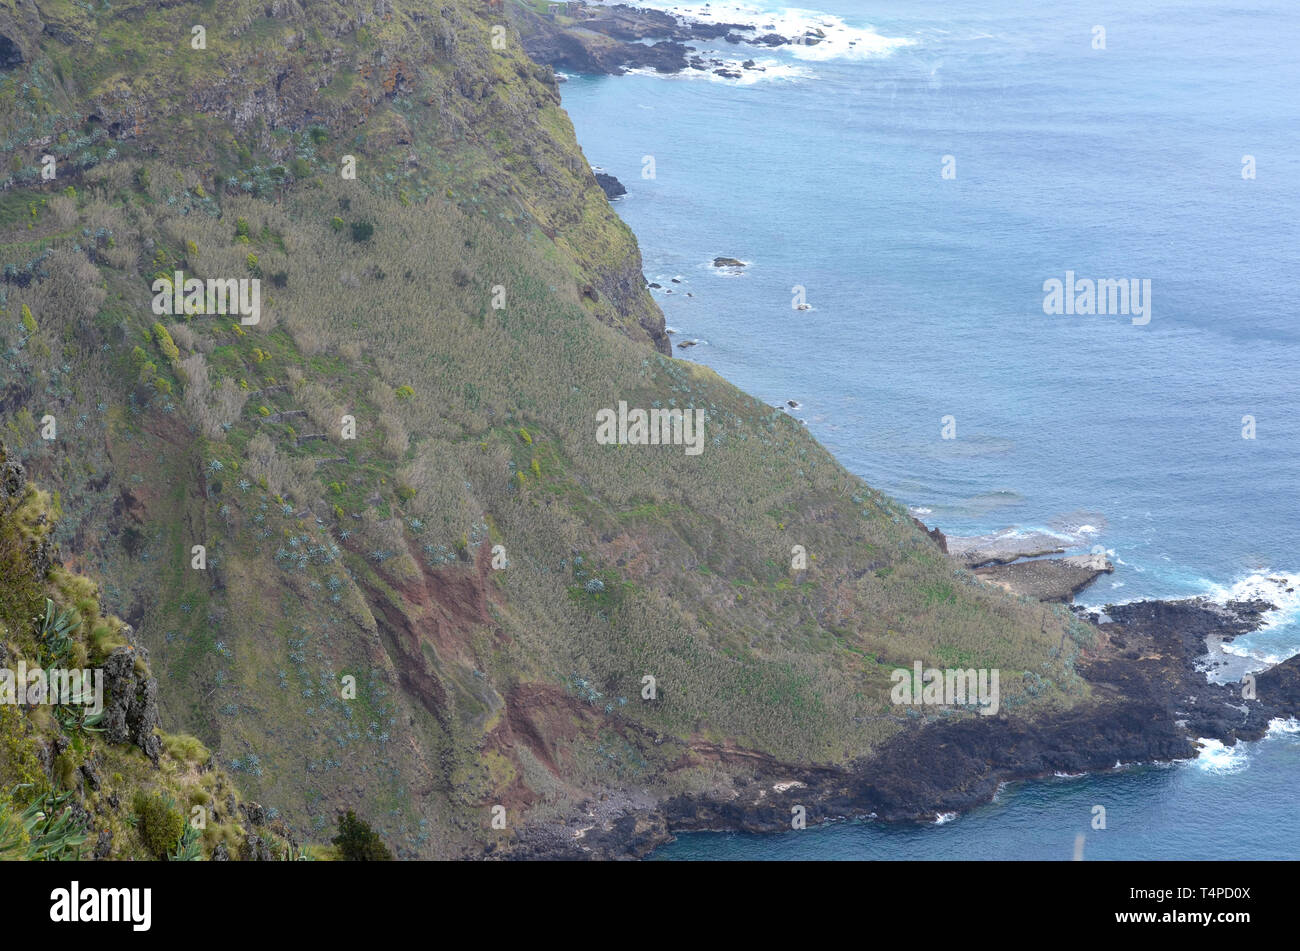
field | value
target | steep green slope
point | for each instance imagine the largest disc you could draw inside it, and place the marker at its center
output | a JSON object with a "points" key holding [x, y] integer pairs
{"points": [[326, 557], [76, 782]]}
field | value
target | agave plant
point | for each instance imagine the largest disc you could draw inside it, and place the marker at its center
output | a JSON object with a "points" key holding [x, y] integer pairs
{"points": [[188, 849], [54, 635], [46, 831], [74, 718]]}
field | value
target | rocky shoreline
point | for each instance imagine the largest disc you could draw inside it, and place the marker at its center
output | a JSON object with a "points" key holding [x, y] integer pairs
{"points": [[610, 40], [1151, 701], [1023, 564], [1149, 696], [1047, 579]]}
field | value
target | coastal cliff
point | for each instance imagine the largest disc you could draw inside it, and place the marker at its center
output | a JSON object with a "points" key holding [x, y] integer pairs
{"points": [[428, 592], [78, 782]]}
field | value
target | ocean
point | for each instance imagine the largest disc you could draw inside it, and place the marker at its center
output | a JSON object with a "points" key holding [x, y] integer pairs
{"points": [[915, 179]]}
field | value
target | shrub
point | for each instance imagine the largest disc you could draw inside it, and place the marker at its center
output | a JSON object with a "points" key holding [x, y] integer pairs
{"points": [[29, 322], [161, 825], [357, 842], [186, 748], [165, 343], [362, 230]]}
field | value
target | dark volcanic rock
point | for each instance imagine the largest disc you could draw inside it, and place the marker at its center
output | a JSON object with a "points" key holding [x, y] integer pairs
{"points": [[609, 44], [613, 39], [610, 185], [938, 537], [131, 707], [11, 54], [255, 849], [1150, 702]]}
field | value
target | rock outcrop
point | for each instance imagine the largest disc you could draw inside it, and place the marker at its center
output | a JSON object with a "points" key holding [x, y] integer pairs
{"points": [[610, 185], [131, 705], [1048, 579]]}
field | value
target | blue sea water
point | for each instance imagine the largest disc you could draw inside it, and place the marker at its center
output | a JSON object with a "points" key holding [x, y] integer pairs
{"points": [[926, 301]]}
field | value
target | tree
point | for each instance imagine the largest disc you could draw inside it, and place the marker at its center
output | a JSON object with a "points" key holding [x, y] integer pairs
{"points": [[357, 842]]}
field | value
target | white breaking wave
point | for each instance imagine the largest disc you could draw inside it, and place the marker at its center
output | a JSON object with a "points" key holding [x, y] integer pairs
{"points": [[1280, 727], [1214, 757], [1278, 588], [772, 70], [837, 40]]}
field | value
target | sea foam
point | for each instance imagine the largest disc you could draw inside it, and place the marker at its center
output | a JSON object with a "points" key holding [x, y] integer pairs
{"points": [[839, 40], [1214, 757]]}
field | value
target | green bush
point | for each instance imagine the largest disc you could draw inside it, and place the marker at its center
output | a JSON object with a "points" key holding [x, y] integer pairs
{"points": [[165, 343], [161, 825], [357, 842]]}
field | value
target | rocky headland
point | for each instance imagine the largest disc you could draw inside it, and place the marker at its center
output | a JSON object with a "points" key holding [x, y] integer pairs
{"points": [[1158, 680], [1047, 579], [1023, 564], [1151, 701], [610, 40]]}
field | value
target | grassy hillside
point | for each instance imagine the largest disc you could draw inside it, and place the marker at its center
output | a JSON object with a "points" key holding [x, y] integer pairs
{"points": [[75, 783], [327, 557]]}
